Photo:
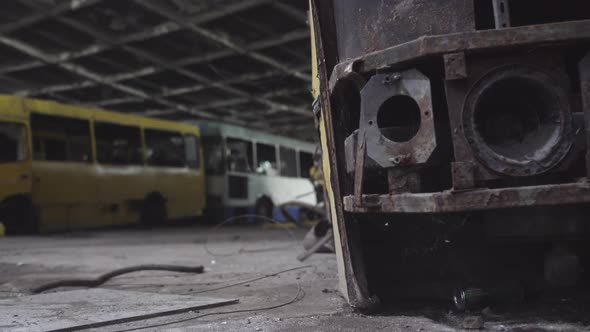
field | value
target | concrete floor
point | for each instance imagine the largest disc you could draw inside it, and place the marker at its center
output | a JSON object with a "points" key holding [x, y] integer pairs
{"points": [[233, 254]]}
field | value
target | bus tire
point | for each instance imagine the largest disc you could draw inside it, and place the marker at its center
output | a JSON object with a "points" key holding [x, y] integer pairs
{"points": [[21, 216], [154, 211], [31, 220], [264, 207]]}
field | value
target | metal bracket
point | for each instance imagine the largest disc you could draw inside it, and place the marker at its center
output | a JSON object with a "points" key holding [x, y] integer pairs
{"points": [[501, 13], [455, 66], [463, 177], [403, 180], [380, 88], [359, 169]]}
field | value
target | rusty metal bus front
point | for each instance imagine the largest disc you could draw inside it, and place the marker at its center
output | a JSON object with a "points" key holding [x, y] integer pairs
{"points": [[457, 137]]}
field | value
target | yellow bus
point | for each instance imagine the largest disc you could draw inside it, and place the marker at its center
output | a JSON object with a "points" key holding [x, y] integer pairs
{"points": [[65, 167]]}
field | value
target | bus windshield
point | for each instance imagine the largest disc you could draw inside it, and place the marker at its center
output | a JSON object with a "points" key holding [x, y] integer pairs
{"points": [[12, 142], [239, 155]]}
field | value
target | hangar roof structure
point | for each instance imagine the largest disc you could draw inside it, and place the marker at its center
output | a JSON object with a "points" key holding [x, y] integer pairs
{"points": [[245, 62]]}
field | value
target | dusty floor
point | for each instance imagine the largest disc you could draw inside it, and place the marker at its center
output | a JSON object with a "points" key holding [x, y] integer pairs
{"points": [[233, 254]]}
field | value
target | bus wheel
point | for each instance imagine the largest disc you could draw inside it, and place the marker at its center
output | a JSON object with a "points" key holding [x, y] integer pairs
{"points": [[264, 207], [21, 217], [154, 210], [31, 220]]}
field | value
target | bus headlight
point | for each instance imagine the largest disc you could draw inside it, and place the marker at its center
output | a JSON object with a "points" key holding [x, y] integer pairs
{"points": [[517, 121]]}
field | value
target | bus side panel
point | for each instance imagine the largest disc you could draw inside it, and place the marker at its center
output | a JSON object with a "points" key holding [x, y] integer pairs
{"points": [[190, 201], [182, 188], [15, 177], [282, 189], [66, 195], [121, 190]]}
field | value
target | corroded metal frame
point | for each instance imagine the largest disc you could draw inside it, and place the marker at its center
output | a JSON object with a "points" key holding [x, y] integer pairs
{"points": [[375, 93]]}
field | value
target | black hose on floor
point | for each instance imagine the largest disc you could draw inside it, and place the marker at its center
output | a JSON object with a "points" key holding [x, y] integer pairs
{"points": [[109, 275]]}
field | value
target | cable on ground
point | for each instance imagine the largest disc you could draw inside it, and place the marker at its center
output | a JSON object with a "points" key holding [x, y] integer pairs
{"points": [[299, 296], [109, 275], [243, 250], [266, 276]]}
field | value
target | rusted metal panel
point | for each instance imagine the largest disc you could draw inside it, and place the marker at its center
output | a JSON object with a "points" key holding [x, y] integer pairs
{"points": [[479, 199], [466, 77], [455, 67], [472, 41], [463, 176], [350, 147], [350, 262], [364, 26], [458, 168], [402, 180], [387, 152]]}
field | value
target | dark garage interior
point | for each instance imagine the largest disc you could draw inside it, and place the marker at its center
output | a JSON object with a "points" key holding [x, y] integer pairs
{"points": [[294, 165]]}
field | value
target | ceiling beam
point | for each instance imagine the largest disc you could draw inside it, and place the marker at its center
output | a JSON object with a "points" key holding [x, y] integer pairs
{"points": [[296, 52], [106, 37], [231, 102], [149, 70], [80, 71], [223, 40], [291, 11], [168, 112], [250, 77], [187, 73], [151, 32], [252, 114], [228, 9], [55, 10]]}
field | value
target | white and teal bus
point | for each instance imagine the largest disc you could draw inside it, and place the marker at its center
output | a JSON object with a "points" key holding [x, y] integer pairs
{"points": [[251, 172]]}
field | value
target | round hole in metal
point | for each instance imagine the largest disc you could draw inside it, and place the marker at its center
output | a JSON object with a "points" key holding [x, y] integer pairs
{"points": [[399, 119]]}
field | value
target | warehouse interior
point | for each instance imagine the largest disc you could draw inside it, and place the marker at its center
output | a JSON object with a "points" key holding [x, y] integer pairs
{"points": [[240, 62], [224, 165]]}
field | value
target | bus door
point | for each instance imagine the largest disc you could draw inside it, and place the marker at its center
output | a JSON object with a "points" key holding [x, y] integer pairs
{"points": [[240, 167], [213, 148], [15, 164]]}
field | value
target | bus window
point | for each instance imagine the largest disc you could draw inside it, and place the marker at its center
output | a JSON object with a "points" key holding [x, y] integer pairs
{"points": [[267, 159], [288, 162], [191, 148], [213, 147], [61, 139], [55, 149], [239, 155], [117, 145], [164, 148], [305, 163], [12, 142]]}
